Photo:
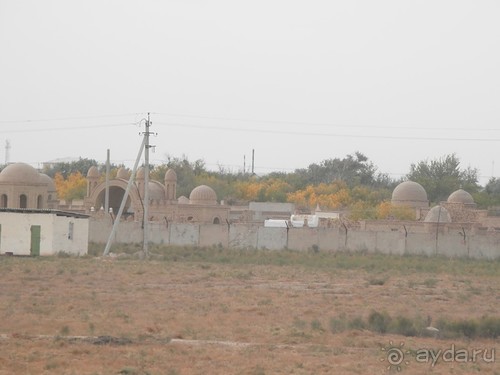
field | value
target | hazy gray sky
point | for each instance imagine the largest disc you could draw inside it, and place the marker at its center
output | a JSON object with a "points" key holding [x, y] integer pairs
{"points": [[298, 81]]}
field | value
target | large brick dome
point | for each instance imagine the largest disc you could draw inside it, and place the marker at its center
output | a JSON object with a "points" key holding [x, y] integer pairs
{"points": [[203, 194], [410, 193], [20, 173]]}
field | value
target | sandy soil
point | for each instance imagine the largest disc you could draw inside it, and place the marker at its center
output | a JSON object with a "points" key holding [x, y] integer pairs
{"points": [[101, 316]]}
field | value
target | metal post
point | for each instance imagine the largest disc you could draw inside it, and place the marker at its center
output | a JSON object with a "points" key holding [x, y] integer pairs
{"points": [[146, 189], [106, 193], [124, 200]]}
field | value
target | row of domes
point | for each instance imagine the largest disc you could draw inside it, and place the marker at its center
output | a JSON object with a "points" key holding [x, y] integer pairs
{"points": [[413, 194], [202, 194], [124, 174], [408, 192]]}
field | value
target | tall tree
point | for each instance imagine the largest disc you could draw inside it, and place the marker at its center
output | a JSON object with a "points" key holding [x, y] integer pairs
{"points": [[440, 177], [353, 170], [186, 171], [73, 187], [82, 165]]}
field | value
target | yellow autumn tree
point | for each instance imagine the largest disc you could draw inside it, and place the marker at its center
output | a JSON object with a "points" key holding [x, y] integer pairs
{"points": [[335, 195], [271, 190], [386, 210], [248, 190], [71, 188]]}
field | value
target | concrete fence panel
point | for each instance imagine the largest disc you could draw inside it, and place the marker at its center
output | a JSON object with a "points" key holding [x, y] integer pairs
{"points": [[184, 234], [303, 238], [272, 238], [329, 239], [361, 241], [243, 236], [214, 235]]}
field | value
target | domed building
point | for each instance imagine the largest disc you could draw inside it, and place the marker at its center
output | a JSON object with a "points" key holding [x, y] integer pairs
{"points": [[203, 195], [410, 193], [201, 207], [461, 206], [460, 196], [22, 186], [438, 214]]}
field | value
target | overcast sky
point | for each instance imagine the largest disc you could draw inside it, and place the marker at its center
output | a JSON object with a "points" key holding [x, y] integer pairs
{"points": [[298, 81]]}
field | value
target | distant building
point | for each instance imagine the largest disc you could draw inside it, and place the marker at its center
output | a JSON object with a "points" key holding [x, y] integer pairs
{"points": [[42, 232], [410, 194], [22, 186], [201, 207]]}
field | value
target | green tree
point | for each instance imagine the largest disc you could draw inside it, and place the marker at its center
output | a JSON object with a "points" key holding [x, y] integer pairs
{"points": [[490, 195], [82, 165], [441, 177], [186, 171], [353, 170]]}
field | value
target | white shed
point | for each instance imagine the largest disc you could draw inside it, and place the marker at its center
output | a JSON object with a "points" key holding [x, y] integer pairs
{"points": [[43, 232]]}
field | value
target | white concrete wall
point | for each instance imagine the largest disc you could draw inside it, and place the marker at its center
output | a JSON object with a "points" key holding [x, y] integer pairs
{"points": [[303, 238], [184, 234], [241, 236], [272, 238], [214, 235], [16, 233], [77, 244]]}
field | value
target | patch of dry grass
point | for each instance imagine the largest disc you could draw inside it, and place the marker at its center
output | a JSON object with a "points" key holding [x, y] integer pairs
{"points": [[213, 311]]}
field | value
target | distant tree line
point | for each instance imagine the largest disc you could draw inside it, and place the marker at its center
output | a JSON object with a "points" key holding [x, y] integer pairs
{"points": [[351, 183]]}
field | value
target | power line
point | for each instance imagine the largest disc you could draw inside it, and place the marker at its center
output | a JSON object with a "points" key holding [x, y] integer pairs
{"points": [[67, 128], [254, 121], [320, 124], [288, 133], [70, 118]]}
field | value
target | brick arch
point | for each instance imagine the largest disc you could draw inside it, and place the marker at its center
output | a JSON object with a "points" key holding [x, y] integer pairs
{"points": [[117, 190]]}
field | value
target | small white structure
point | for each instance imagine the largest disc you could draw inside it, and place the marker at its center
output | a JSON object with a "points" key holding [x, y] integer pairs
{"points": [[299, 221], [43, 232], [276, 223]]}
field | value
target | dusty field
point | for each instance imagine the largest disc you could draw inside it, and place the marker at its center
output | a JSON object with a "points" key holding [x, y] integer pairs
{"points": [[233, 315]]}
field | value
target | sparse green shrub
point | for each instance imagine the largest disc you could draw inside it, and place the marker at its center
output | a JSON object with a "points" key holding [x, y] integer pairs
{"points": [[379, 322], [486, 327], [316, 325], [338, 324], [64, 330], [430, 283], [377, 280], [357, 323], [489, 327], [460, 328], [299, 323], [403, 326], [129, 371]]}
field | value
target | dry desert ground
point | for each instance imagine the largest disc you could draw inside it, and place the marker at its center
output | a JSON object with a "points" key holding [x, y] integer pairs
{"points": [[217, 311]]}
